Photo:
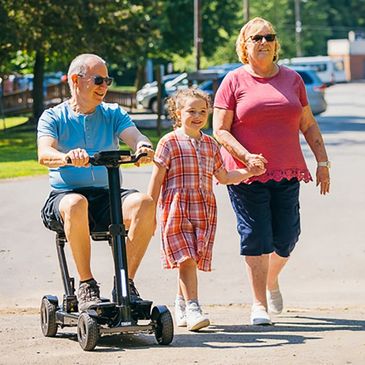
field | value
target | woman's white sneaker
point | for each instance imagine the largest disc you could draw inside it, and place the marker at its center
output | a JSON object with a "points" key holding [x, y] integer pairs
{"points": [[194, 317], [259, 315], [274, 301]]}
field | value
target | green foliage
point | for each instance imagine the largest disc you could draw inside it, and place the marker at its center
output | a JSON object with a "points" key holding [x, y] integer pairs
{"points": [[219, 19], [50, 33], [126, 32], [118, 30]]}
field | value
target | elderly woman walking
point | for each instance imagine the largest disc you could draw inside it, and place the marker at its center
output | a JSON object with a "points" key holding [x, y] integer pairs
{"points": [[259, 110]]}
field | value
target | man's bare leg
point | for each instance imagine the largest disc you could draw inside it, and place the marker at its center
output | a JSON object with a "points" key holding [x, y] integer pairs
{"points": [[74, 211]]}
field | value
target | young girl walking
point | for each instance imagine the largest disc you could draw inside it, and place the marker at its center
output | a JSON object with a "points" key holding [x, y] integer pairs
{"points": [[184, 165]]}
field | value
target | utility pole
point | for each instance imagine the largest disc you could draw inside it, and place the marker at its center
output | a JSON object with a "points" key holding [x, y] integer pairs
{"points": [[298, 29], [246, 10], [197, 33]]}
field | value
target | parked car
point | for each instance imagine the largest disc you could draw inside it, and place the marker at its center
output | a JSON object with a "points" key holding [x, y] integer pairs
{"points": [[25, 82], [330, 70], [147, 96], [314, 86], [315, 89], [226, 66]]}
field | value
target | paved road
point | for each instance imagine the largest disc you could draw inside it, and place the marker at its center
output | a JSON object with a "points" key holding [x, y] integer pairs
{"points": [[324, 279]]}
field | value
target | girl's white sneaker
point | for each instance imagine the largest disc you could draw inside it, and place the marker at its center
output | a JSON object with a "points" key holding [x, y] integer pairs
{"points": [[194, 317]]}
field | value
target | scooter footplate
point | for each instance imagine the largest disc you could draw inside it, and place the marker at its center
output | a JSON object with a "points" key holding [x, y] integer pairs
{"points": [[141, 309]]}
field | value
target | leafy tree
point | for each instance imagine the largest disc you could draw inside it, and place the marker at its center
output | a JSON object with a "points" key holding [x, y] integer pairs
{"points": [[52, 32], [47, 34], [321, 20], [219, 20]]}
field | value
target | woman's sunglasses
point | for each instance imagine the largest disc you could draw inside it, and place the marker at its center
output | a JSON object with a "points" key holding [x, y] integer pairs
{"points": [[98, 80], [259, 37]]}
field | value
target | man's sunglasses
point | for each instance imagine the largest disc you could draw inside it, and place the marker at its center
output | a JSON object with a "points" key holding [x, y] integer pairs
{"points": [[259, 37], [98, 80]]}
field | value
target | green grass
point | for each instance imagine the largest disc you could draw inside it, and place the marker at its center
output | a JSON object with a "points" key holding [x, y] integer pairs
{"points": [[11, 122], [18, 149], [18, 154]]}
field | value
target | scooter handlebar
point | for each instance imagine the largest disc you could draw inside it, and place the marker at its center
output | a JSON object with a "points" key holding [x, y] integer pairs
{"points": [[112, 158]]}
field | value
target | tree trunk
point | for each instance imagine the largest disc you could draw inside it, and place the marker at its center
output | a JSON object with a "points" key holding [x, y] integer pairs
{"points": [[140, 77], [38, 95]]}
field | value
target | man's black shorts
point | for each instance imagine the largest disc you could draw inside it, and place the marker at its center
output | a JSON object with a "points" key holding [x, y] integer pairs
{"points": [[98, 199]]}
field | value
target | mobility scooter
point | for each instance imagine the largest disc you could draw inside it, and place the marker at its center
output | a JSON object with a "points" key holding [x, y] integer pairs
{"points": [[108, 317]]}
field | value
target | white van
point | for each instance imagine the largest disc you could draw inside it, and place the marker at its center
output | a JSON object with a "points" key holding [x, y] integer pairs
{"points": [[330, 70]]}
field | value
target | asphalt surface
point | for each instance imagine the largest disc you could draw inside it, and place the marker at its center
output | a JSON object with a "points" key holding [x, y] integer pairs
{"points": [[323, 284]]}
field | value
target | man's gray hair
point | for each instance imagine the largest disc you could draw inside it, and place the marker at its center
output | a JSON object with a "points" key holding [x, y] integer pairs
{"points": [[79, 65]]}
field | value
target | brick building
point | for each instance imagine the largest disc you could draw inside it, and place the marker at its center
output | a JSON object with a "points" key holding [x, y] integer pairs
{"points": [[352, 50]]}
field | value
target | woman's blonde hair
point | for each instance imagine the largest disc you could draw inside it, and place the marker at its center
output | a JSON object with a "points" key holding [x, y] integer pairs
{"points": [[177, 101], [242, 38]]}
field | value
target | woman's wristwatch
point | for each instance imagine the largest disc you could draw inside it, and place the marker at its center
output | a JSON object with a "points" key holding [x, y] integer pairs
{"points": [[324, 164]]}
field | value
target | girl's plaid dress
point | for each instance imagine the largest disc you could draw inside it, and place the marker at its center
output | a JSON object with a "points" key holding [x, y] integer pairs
{"points": [[187, 204]]}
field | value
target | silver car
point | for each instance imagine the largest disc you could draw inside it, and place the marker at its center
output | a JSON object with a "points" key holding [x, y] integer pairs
{"points": [[315, 88], [147, 96]]}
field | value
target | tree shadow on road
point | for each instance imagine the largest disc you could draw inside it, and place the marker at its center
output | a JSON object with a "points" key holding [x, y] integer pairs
{"points": [[288, 330], [339, 132], [346, 123]]}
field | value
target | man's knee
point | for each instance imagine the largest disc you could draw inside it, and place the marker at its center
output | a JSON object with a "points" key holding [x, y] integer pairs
{"points": [[138, 204], [73, 205]]}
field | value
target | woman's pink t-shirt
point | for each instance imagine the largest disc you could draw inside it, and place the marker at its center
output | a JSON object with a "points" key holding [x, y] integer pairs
{"points": [[267, 113]]}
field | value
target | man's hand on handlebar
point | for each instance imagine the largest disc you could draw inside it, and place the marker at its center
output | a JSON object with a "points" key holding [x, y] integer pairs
{"points": [[146, 159], [77, 157]]}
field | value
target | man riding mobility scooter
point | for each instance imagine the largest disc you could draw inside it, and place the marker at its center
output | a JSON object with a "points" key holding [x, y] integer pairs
{"points": [[120, 315]]}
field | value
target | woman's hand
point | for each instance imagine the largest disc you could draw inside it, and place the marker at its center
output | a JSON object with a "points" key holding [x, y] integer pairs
{"points": [[255, 163], [323, 179]]}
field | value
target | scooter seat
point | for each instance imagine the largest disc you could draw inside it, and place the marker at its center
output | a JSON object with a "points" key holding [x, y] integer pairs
{"points": [[100, 236], [102, 305]]}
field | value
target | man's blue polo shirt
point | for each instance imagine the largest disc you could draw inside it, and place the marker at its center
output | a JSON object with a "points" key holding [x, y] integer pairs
{"points": [[94, 132]]}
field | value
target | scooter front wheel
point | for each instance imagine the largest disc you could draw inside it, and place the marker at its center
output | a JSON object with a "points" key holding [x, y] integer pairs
{"points": [[164, 330], [87, 332]]}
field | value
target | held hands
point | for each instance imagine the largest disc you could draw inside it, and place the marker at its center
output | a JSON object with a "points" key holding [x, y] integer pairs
{"points": [[323, 179], [79, 158], [255, 164], [146, 159]]}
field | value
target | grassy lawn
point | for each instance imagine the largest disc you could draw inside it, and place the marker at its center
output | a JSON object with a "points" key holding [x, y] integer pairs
{"points": [[18, 150], [11, 122], [18, 156]]}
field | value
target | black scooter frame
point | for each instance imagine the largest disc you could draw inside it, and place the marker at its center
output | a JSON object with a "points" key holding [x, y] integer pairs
{"points": [[121, 316]]}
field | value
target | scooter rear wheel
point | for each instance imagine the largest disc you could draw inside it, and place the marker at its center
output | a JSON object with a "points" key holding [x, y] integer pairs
{"points": [[48, 318], [87, 332]]}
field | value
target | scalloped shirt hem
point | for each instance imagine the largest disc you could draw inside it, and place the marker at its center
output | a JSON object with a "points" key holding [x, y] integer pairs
{"points": [[278, 175]]}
